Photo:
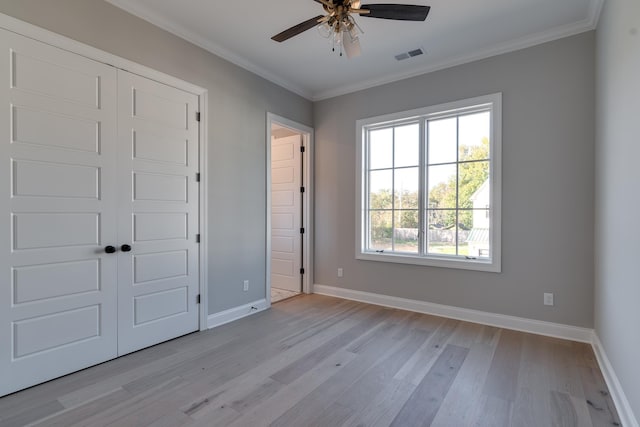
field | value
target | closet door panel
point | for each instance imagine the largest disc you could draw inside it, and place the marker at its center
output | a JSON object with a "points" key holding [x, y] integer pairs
{"points": [[158, 212], [58, 301]]}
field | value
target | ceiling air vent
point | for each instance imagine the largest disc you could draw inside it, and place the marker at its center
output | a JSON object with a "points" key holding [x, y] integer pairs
{"points": [[410, 54]]}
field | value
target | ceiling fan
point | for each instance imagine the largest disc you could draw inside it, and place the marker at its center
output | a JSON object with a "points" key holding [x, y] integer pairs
{"points": [[338, 22]]}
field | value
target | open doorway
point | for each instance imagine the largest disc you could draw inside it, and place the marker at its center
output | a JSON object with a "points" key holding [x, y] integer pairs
{"points": [[288, 208]]}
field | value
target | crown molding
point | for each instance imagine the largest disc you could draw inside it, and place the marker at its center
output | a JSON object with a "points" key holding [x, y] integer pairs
{"points": [[207, 45], [587, 24]]}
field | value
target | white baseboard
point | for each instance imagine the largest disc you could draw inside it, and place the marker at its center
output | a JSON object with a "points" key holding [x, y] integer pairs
{"points": [[557, 330], [627, 418], [227, 316]]}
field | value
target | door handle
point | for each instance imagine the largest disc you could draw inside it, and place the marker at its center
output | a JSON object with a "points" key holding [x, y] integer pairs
{"points": [[110, 249], [125, 248]]}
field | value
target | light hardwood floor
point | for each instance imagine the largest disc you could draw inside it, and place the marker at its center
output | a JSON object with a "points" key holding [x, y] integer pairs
{"points": [[320, 361]]}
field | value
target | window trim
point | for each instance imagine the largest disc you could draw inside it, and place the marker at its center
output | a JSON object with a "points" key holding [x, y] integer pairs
{"points": [[495, 169]]}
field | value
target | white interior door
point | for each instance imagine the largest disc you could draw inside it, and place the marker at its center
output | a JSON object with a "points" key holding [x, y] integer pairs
{"points": [[57, 206], [158, 212], [286, 213]]}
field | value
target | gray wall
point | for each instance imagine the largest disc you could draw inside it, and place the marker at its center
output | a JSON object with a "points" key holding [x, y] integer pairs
{"points": [[548, 170], [617, 293], [238, 102]]}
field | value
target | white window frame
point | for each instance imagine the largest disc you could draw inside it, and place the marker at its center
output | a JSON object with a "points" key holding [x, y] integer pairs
{"points": [[494, 103]]}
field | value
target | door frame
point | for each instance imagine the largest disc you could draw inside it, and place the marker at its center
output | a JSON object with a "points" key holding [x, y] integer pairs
{"points": [[56, 40], [307, 134]]}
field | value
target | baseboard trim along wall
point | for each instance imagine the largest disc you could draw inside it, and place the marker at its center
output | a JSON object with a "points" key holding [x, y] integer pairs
{"points": [[556, 330], [236, 313], [539, 327], [627, 418]]}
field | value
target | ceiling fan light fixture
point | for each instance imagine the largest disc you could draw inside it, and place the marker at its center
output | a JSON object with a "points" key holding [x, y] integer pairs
{"points": [[339, 21], [325, 30], [351, 45]]}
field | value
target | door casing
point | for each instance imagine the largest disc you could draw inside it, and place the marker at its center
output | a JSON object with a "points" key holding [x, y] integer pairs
{"points": [[307, 200]]}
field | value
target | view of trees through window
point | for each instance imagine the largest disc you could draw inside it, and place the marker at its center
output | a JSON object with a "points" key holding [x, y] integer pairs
{"points": [[455, 168]]}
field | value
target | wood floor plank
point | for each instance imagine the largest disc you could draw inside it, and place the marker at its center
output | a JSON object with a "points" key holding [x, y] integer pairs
{"points": [[345, 313], [174, 419], [532, 405], [356, 396], [116, 380], [41, 395], [240, 386], [566, 412], [311, 405], [421, 362], [531, 408], [599, 401], [424, 403], [121, 410], [264, 390], [383, 408], [489, 335], [502, 379], [321, 361], [466, 387], [295, 370], [582, 411], [70, 416], [222, 416], [495, 412], [466, 334], [223, 363], [269, 410], [32, 414], [395, 318], [565, 376]]}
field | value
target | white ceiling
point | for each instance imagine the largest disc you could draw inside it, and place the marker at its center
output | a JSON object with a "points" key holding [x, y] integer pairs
{"points": [[455, 32]]}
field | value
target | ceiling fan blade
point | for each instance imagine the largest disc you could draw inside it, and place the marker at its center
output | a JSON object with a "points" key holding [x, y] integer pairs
{"points": [[297, 29], [400, 12], [351, 45]]}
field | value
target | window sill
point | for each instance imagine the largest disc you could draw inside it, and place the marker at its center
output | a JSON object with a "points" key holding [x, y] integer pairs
{"points": [[433, 261]]}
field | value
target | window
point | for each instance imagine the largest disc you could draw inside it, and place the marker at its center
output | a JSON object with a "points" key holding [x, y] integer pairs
{"points": [[429, 186]]}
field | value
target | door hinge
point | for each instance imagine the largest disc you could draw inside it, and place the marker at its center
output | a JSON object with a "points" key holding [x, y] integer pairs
{"points": [[302, 231], [302, 149], [302, 189], [198, 116], [302, 271], [198, 177], [197, 238], [198, 299]]}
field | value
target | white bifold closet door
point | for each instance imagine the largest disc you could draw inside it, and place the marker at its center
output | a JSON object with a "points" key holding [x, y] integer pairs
{"points": [[92, 157], [157, 212]]}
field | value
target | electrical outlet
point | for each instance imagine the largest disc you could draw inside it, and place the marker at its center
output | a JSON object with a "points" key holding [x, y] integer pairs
{"points": [[340, 272], [246, 285], [548, 299]]}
